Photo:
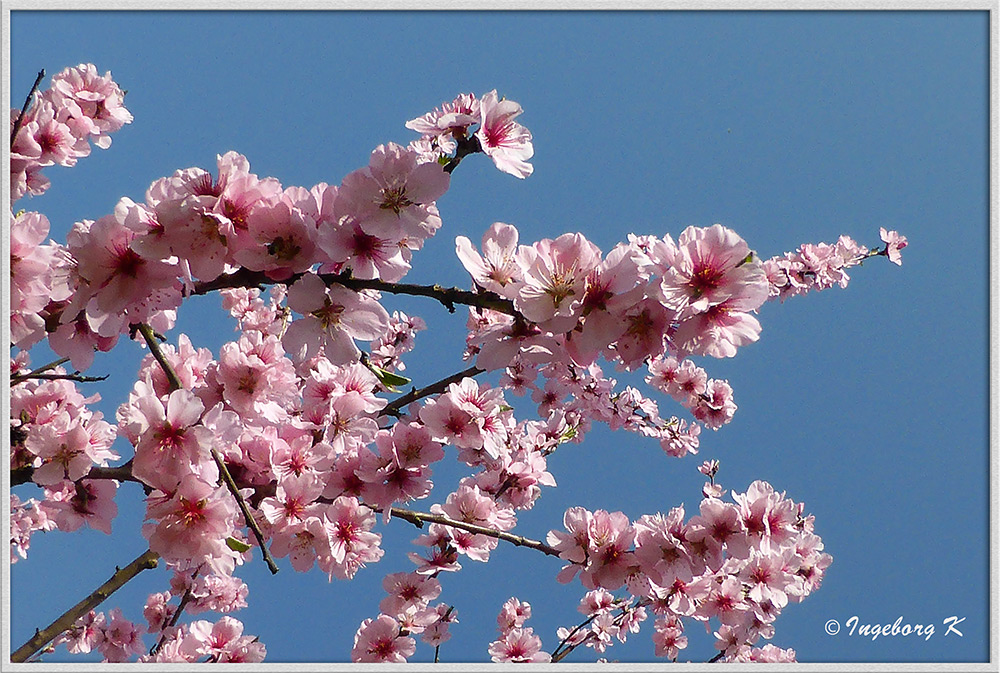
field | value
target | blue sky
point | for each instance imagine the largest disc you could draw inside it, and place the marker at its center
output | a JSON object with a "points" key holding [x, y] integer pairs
{"points": [[869, 404]]}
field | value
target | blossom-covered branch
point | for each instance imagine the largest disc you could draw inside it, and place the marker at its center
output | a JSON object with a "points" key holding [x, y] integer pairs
{"points": [[146, 560]]}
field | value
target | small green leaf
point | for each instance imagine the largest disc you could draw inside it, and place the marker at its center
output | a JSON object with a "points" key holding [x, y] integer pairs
{"points": [[236, 545], [388, 379]]}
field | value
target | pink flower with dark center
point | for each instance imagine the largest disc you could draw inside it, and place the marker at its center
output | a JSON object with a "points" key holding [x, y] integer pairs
{"points": [[711, 265], [503, 140], [519, 645], [379, 640], [332, 318], [893, 244]]}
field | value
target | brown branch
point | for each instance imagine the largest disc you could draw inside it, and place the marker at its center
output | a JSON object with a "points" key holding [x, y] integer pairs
{"points": [[35, 372], [147, 559], [154, 348], [123, 472], [247, 516], [466, 146], [448, 296], [418, 519], [56, 377], [24, 108], [394, 407], [175, 384]]}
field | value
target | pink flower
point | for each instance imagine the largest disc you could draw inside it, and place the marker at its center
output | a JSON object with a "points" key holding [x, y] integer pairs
{"points": [[333, 317], [893, 244], [711, 265], [88, 502], [518, 645], [408, 590], [121, 638], [379, 640], [554, 276], [512, 615], [390, 197], [222, 641], [86, 634], [667, 637], [497, 267], [505, 141], [172, 443]]}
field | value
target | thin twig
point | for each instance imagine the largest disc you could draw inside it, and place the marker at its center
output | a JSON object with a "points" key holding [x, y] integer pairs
{"points": [[394, 407], [154, 348], [175, 384], [35, 372], [148, 559], [23, 475], [61, 377], [177, 613], [247, 516], [24, 108], [418, 519]]}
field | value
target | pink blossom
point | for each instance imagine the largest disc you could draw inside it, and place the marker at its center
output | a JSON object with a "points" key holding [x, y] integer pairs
{"points": [[667, 638], [519, 645], [86, 634], [121, 638], [89, 502], [497, 267], [333, 317], [512, 615], [503, 140], [171, 441], [379, 640], [710, 266], [893, 244], [408, 590], [554, 276]]}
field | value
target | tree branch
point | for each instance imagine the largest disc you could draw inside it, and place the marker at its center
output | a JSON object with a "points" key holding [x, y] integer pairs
{"points": [[35, 372], [418, 519], [448, 296], [24, 108], [175, 384], [120, 473], [147, 559], [394, 407], [247, 516]]}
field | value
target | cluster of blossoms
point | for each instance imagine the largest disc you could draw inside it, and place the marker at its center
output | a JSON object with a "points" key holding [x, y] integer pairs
{"points": [[284, 439], [517, 643], [81, 107], [502, 139], [119, 639], [820, 266], [405, 610], [739, 563]]}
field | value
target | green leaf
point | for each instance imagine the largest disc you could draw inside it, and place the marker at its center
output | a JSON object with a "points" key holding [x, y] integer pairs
{"points": [[236, 545], [388, 379]]}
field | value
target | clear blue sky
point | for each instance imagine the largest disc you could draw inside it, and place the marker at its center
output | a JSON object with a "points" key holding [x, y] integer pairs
{"points": [[869, 404]]}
